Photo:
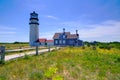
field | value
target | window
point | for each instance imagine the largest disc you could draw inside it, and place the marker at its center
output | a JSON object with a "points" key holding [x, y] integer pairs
{"points": [[60, 41], [64, 36], [56, 41], [64, 41]]}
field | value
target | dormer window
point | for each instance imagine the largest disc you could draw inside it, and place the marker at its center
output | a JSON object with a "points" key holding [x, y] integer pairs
{"points": [[60, 35]]}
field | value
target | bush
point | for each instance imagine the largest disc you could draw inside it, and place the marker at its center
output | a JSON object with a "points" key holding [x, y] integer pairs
{"points": [[2, 62], [105, 47], [50, 72], [16, 42], [37, 75], [2, 77], [26, 56], [94, 47], [83, 47], [118, 59], [58, 77]]}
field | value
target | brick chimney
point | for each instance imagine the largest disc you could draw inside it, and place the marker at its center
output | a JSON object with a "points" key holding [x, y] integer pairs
{"points": [[63, 30], [77, 33]]}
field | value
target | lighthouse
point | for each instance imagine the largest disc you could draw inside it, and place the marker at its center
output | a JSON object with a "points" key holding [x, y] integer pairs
{"points": [[34, 30]]}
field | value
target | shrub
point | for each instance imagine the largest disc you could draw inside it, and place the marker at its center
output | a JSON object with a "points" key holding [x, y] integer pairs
{"points": [[16, 42], [94, 47], [26, 56], [50, 72], [2, 77], [83, 47], [37, 75], [58, 77], [2, 62], [118, 59], [105, 47]]}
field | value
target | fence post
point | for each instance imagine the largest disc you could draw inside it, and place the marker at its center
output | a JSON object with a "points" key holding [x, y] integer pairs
{"points": [[55, 48], [36, 50], [2, 54], [48, 48]]}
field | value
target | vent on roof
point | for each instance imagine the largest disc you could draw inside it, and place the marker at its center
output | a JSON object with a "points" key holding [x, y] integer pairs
{"points": [[63, 30]]}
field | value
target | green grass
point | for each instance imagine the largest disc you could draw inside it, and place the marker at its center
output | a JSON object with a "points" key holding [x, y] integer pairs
{"points": [[69, 63], [11, 46]]}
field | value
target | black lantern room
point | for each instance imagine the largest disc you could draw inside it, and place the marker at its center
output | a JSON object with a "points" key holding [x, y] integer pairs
{"points": [[34, 18]]}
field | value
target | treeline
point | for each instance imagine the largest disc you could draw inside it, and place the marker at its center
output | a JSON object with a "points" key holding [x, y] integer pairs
{"points": [[103, 45], [16, 42], [20, 42]]}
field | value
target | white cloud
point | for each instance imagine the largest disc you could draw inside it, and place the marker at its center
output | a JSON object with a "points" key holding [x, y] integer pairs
{"points": [[2, 27], [6, 31], [51, 17], [106, 31], [102, 31], [48, 35]]}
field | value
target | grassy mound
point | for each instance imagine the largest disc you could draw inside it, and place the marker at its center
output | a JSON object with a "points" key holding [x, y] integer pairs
{"points": [[69, 63]]}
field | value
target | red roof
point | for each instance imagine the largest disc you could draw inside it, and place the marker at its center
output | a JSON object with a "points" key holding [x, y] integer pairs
{"points": [[42, 40], [50, 41]]}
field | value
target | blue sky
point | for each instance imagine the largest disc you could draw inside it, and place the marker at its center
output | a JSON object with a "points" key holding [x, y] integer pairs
{"points": [[96, 20]]}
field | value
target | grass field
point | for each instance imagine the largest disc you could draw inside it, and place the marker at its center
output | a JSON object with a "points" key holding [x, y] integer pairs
{"points": [[11, 46], [69, 63]]}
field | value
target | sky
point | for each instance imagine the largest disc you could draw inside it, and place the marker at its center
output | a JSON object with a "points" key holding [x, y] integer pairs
{"points": [[95, 20]]}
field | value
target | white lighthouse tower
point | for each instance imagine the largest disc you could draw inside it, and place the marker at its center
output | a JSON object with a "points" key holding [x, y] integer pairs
{"points": [[34, 30]]}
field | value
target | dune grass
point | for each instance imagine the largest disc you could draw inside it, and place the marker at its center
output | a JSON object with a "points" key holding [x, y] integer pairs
{"points": [[11, 46], [69, 63]]}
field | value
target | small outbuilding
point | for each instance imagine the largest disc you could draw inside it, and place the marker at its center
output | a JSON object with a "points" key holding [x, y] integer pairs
{"points": [[45, 42]]}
